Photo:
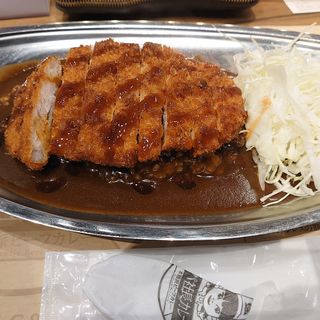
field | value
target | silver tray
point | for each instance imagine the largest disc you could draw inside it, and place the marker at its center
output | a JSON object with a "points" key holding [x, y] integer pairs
{"points": [[214, 43]]}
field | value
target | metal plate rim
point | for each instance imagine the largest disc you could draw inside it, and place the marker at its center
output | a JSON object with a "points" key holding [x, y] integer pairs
{"points": [[147, 231], [150, 232], [142, 24]]}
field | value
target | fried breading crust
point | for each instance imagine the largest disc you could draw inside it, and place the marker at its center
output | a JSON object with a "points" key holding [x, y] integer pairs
{"points": [[119, 105], [28, 134], [99, 102], [68, 112], [123, 132], [153, 101]]}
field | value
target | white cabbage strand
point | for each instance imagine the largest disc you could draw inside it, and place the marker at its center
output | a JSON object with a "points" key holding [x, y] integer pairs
{"points": [[281, 89]]}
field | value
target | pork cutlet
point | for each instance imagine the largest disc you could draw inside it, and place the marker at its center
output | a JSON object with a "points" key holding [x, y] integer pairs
{"points": [[119, 104], [27, 136]]}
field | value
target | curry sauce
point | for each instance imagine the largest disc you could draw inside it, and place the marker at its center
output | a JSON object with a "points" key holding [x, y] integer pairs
{"points": [[175, 184]]}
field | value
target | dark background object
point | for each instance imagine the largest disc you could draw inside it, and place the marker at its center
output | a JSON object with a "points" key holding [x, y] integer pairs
{"points": [[151, 7]]}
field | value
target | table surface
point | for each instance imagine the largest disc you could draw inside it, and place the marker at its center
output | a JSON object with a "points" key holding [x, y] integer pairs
{"points": [[23, 244]]}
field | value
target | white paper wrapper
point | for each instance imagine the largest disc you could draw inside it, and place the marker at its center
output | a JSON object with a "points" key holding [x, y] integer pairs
{"points": [[126, 287], [282, 277]]}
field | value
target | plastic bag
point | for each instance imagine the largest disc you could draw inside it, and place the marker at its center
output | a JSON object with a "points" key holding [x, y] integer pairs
{"points": [[282, 277]]}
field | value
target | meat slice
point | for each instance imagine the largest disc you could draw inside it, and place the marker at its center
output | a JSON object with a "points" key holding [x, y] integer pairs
{"points": [[204, 108], [219, 114], [153, 101], [182, 103], [99, 103], [68, 112], [28, 134], [121, 137]]}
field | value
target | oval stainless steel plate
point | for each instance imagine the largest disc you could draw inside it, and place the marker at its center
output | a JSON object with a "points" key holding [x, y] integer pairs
{"points": [[214, 43]]}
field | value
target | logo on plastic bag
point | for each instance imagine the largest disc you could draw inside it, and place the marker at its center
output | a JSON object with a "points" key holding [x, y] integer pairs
{"points": [[185, 296]]}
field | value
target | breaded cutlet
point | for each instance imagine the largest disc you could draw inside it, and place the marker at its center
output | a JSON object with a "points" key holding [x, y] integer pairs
{"points": [[180, 106], [68, 112], [119, 105], [152, 100], [99, 102], [204, 108], [219, 113], [123, 132], [27, 136]]}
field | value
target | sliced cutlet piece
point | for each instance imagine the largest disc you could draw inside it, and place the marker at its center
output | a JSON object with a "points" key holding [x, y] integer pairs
{"points": [[219, 115], [153, 101], [99, 102], [204, 108], [123, 132], [68, 112], [28, 134], [180, 111]]}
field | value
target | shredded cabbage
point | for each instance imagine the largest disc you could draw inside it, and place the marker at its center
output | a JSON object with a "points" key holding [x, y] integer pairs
{"points": [[281, 89]]}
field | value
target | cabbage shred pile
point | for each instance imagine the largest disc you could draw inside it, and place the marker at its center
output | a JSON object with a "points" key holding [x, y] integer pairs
{"points": [[281, 89]]}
